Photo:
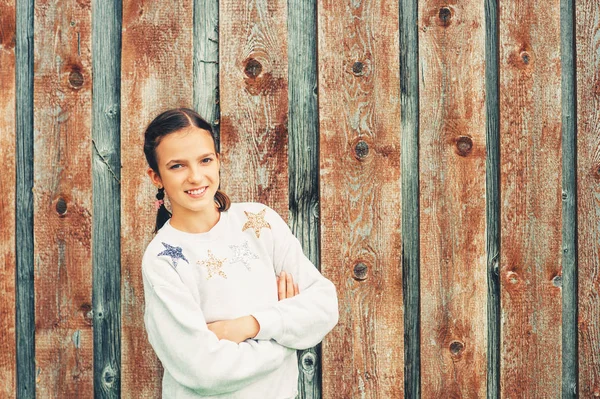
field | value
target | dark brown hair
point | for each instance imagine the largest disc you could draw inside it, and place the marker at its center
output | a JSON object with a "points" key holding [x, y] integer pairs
{"points": [[166, 123]]}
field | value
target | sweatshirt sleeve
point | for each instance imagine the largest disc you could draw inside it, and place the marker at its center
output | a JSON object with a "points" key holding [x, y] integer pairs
{"points": [[188, 350], [302, 321]]}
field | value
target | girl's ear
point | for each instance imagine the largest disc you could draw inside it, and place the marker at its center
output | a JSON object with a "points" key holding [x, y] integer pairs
{"points": [[156, 180]]}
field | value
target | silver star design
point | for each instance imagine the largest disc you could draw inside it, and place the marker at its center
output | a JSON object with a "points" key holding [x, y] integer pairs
{"points": [[242, 253], [175, 253]]}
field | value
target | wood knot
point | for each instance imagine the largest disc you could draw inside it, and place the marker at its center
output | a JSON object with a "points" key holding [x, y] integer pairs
{"points": [[525, 57], [61, 207], [109, 376], [512, 277], [76, 79], [361, 149], [444, 16], [360, 271], [456, 348], [596, 172], [358, 68], [557, 281], [464, 146], [253, 68]]}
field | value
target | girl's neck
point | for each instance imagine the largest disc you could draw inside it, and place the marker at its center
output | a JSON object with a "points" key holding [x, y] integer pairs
{"points": [[196, 222]]}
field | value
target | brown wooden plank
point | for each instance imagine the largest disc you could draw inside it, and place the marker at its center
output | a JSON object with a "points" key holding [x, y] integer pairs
{"points": [[156, 71], [588, 194], [63, 199], [359, 110], [452, 157], [253, 86], [8, 343], [530, 136]]}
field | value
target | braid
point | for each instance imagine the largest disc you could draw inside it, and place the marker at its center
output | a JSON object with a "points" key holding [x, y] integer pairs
{"points": [[162, 213]]}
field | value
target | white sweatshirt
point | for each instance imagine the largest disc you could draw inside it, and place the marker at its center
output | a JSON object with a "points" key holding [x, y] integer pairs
{"points": [[191, 279]]}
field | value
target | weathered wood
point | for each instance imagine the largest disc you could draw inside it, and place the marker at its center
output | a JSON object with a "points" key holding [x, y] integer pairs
{"points": [[25, 306], [409, 111], [588, 192], [254, 101], [156, 72], [359, 110], [206, 61], [452, 204], [530, 269], [8, 345], [492, 170], [452, 176], [304, 159], [63, 199], [569, 203], [106, 170]]}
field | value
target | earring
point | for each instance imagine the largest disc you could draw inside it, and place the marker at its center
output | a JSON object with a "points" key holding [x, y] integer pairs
{"points": [[160, 195]]}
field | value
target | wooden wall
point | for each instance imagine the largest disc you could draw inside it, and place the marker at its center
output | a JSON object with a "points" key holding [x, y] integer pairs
{"points": [[438, 160]]}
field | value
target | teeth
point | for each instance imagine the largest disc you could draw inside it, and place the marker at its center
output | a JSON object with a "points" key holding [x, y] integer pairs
{"points": [[196, 192]]}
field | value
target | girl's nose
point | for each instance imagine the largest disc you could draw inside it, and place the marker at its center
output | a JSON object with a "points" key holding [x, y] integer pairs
{"points": [[195, 174]]}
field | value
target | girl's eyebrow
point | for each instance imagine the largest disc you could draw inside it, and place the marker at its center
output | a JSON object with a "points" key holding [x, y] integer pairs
{"points": [[183, 160]]}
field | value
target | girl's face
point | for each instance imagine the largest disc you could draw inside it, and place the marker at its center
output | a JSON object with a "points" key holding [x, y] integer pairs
{"points": [[189, 171]]}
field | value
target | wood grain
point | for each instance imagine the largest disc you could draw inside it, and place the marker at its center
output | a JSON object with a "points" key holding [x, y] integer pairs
{"points": [[452, 173], [588, 194], [106, 170], [530, 268], [156, 73], [63, 199], [8, 135], [360, 207], [254, 101]]}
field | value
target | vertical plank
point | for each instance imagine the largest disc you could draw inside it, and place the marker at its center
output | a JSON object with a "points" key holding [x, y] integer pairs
{"points": [[452, 172], [8, 344], [492, 169], [25, 306], [304, 159], [359, 110], [206, 61], [63, 199], [106, 170], [569, 200], [588, 194], [409, 120], [530, 89], [156, 71], [254, 101]]}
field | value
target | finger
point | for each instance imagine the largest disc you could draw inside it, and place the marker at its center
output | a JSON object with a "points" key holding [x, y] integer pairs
{"points": [[281, 286], [296, 289], [289, 286]]}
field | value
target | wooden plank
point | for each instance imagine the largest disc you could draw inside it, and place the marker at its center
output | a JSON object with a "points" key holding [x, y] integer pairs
{"points": [[254, 101], [206, 61], [359, 108], [569, 200], [452, 171], [156, 71], [409, 119], [8, 344], [588, 195], [63, 199], [530, 268], [106, 170], [493, 197], [304, 159], [25, 306]]}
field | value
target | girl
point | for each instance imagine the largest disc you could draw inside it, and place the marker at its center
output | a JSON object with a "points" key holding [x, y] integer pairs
{"points": [[223, 312]]}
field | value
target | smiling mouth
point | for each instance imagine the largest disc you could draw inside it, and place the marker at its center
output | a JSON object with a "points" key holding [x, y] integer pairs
{"points": [[196, 192]]}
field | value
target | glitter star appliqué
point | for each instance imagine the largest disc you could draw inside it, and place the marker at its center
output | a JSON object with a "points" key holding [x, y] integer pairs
{"points": [[242, 253], [175, 253], [213, 265], [256, 221]]}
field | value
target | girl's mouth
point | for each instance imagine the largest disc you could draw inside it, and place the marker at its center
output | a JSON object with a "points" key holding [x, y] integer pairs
{"points": [[196, 193]]}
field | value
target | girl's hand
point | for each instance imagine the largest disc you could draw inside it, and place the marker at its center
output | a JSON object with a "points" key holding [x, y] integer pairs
{"points": [[235, 330], [286, 288]]}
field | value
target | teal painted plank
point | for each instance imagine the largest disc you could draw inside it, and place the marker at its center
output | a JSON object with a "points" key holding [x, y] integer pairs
{"points": [[106, 224], [24, 202], [303, 158], [409, 108]]}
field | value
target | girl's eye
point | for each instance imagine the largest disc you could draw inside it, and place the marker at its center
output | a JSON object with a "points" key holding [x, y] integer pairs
{"points": [[207, 160], [175, 166]]}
